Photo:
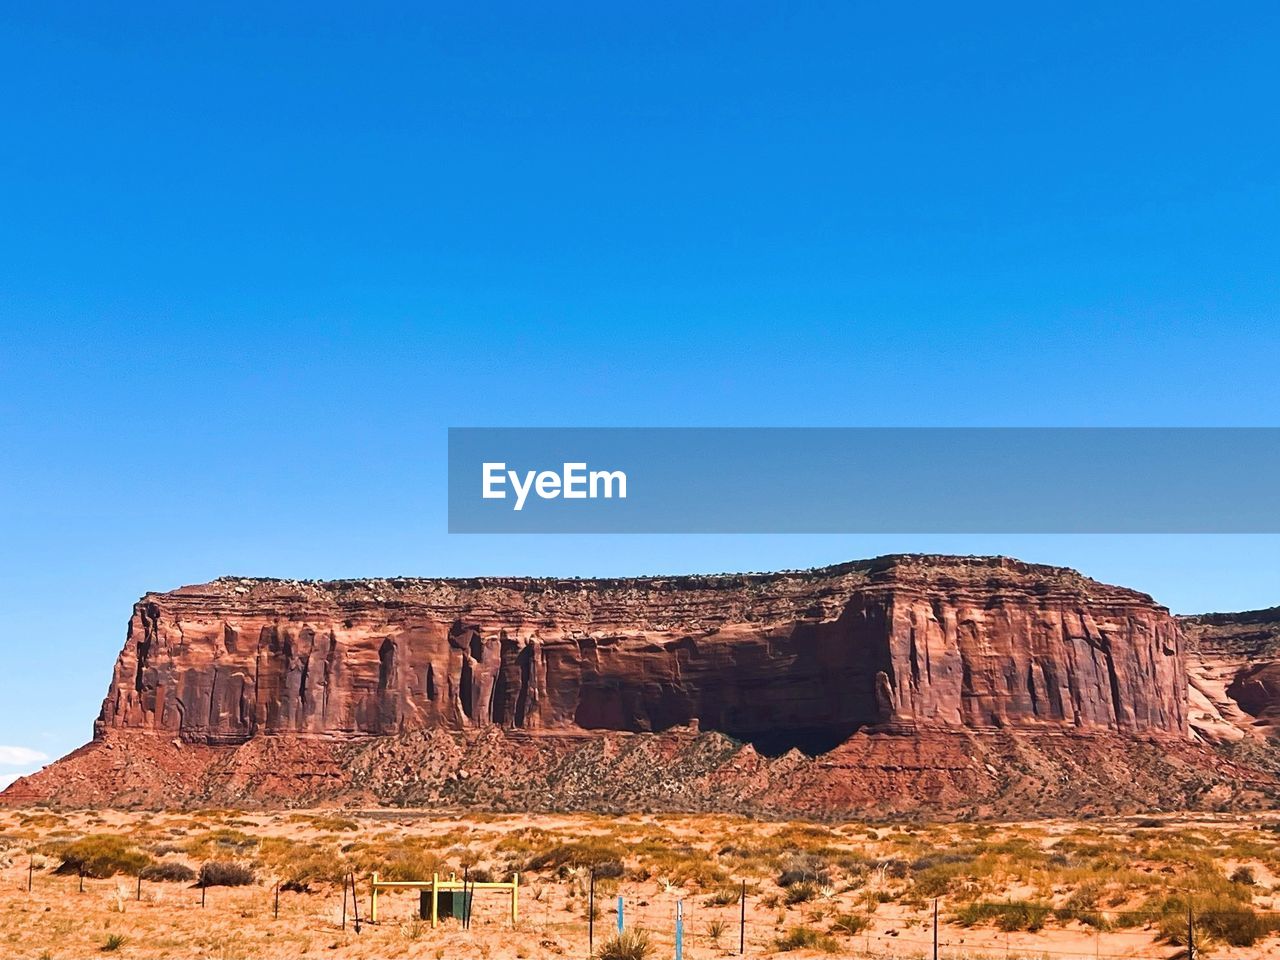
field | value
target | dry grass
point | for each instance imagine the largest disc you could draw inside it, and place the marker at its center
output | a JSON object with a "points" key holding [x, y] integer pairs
{"points": [[1036, 889]]}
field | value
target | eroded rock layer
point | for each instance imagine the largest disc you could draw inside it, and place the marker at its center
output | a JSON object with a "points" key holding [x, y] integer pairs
{"points": [[807, 657], [893, 674], [1234, 669]]}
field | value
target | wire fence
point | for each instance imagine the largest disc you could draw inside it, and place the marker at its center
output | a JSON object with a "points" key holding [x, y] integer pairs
{"points": [[583, 915], [1010, 930]]}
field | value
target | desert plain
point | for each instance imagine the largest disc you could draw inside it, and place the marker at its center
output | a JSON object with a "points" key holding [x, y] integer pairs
{"points": [[1107, 887]]}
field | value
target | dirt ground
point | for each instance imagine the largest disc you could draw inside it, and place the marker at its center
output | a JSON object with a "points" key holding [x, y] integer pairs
{"points": [[1096, 888]]}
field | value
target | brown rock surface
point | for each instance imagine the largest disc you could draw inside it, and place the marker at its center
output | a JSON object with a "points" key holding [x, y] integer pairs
{"points": [[1233, 662], [801, 659], [903, 683]]}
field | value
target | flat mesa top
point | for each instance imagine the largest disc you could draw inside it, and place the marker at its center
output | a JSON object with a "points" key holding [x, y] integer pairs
{"points": [[931, 570]]}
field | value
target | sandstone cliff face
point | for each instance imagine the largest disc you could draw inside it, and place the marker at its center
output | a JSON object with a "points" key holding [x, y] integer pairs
{"points": [[1234, 670], [913, 683], [788, 660]]}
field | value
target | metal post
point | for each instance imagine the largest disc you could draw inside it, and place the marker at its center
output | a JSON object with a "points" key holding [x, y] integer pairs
{"points": [[591, 914], [139, 887], [935, 928], [373, 896], [82, 879], [466, 914], [435, 899], [355, 900], [276, 915], [515, 898], [742, 920], [679, 930], [203, 889], [621, 907]]}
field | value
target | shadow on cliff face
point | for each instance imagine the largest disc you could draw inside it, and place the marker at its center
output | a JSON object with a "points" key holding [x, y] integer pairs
{"points": [[812, 741], [806, 686]]}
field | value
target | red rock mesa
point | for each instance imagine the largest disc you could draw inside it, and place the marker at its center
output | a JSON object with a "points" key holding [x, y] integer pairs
{"points": [[908, 683]]}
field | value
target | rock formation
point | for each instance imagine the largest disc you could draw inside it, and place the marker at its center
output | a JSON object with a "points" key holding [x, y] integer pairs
{"points": [[1234, 668], [908, 682]]}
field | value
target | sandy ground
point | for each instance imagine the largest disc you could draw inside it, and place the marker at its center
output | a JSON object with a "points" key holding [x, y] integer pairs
{"points": [[670, 861]]}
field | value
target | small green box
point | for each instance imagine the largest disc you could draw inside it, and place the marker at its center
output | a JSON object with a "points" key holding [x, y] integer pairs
{"points": [[449, 903]]}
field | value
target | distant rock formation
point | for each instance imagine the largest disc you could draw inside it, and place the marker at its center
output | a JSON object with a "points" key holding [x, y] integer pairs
{"points": [[1234, 668], [904, 682]]}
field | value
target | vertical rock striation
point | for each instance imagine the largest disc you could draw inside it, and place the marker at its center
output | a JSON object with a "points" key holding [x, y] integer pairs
{"points": [[803, 659]]}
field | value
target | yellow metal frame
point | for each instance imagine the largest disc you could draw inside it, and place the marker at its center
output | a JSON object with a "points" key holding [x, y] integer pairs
{"points": [[435, 884]]}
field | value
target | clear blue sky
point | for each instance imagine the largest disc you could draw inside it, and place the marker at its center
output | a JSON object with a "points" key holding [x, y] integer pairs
{"points": [[253, 264]]}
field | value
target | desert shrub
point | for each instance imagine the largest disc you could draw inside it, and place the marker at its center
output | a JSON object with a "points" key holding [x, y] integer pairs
{"points": [[934, 882], [850, 924], [323, 866], [1243, 875], [1239, 926], [299, 865], [804, 867], [102, 855], [164, 849], [805, 836], [414, 930], [113, 943], [522, 841], [660, 856], [1010, 916], [854, 864], [1082, 906], [716, 928], [588, 852], [725, 896], [628, 945], [801, 893], [335, 824], [1231, 921], [41, 820], [945, 859], [893, 867], [396, 860], [223, 842], [170, 872], [938, 874], [805, 938], [225, 873], [609, 869]]}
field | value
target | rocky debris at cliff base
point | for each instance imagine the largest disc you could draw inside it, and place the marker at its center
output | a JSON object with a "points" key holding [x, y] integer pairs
{"points": [[928, 774]]}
